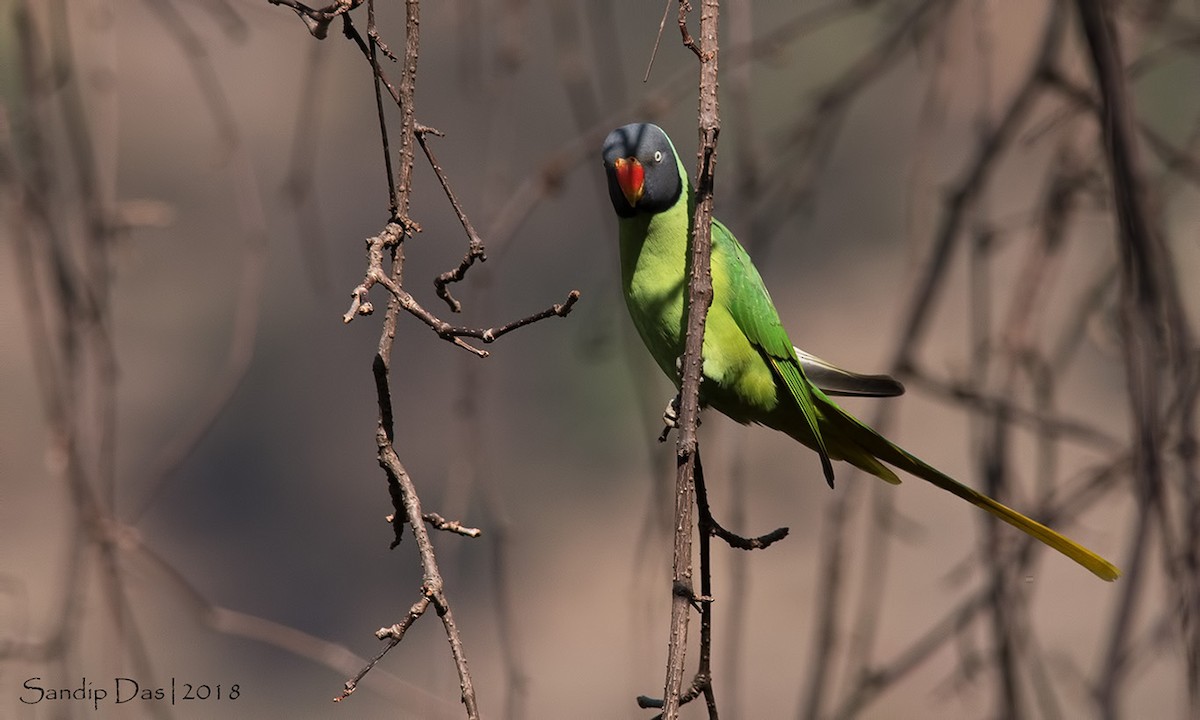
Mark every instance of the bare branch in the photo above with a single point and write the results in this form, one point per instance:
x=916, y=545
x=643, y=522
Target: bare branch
x=699, y=298
x=453, y=526
x=317, y=20
x=475, y=249
x=360, y=305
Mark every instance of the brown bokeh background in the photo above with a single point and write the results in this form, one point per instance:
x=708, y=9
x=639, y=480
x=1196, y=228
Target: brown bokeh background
x=277, y=511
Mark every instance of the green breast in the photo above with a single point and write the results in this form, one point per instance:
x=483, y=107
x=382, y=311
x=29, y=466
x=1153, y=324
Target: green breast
x=653, y=282
x=737, y=379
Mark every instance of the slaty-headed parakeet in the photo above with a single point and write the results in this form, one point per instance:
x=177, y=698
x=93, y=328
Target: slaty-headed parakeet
x=751, y=370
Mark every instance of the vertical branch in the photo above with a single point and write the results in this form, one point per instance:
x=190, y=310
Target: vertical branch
x=404, y=495
x=408, y=122
x=1150, y=313
x=699, y=299
x=707, y=528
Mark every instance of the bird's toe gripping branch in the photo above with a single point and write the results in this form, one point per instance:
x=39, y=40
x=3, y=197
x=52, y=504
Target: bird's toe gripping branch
x=671, y=418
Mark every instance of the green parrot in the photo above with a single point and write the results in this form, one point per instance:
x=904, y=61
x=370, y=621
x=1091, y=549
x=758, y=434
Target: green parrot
x=752, y=372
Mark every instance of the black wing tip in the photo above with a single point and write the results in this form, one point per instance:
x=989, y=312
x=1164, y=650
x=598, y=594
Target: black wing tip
x=885, y=385
x=875, y=386
x=827, y=467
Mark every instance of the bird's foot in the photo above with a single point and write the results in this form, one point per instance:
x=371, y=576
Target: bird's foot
x=671, y=418
x=671, y=413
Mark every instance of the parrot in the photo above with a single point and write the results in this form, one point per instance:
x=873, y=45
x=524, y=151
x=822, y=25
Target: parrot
x=751, y=371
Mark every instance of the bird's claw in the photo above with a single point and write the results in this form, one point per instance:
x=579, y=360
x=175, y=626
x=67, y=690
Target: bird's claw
x=671, y=413
x=671, y=418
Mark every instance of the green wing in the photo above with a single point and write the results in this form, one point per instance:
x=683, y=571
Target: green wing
x=751, y=308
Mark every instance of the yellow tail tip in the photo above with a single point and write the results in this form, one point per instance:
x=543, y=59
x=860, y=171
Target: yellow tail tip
x=1101, y=568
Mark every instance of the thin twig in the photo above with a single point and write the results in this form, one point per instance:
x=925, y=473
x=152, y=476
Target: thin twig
x=377, y=77
x=657, y=39
x=475, y=249
x=685, y=7
x=360, y=305
x=453, y=526
x=317, y=20
x=405, y=501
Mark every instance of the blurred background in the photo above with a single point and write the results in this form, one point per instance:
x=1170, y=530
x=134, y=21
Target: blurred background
x=189, y=490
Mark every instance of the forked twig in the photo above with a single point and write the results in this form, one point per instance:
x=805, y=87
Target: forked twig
x=385, y=262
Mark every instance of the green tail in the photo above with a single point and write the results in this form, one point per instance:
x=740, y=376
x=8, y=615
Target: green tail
x=864, y=448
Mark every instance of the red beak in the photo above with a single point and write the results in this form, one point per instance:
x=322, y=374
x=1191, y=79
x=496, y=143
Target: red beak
x=630, y=177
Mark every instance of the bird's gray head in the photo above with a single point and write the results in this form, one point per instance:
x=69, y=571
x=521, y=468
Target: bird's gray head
x=643, y=174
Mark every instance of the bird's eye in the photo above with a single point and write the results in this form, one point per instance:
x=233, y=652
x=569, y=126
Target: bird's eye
x=658, y=156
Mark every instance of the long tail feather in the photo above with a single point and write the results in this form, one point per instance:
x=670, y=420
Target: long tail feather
x=879, y=447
